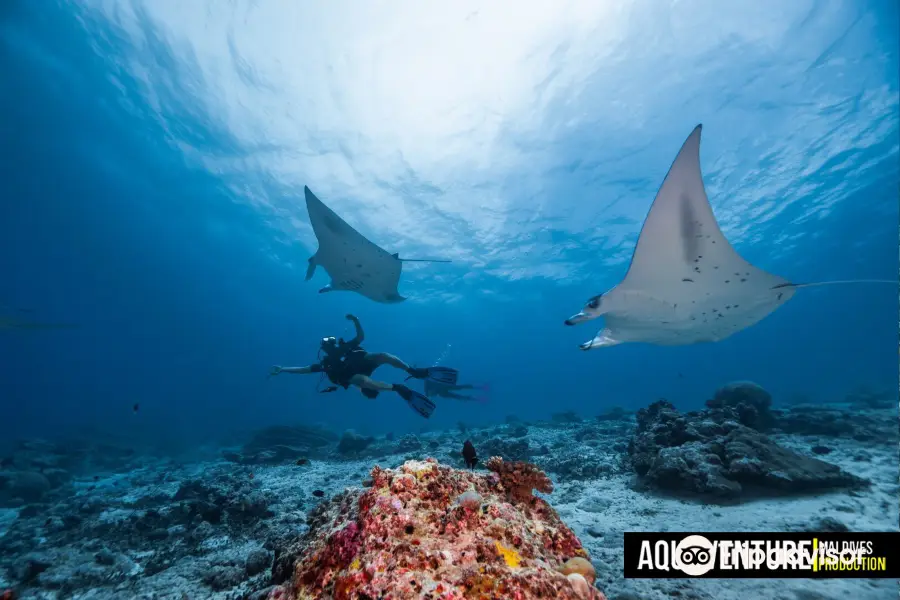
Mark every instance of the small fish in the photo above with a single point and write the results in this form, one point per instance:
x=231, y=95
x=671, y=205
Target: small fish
x=302, y=461
x=469, y=454
x=251, y=475
x=318, y=493
x=136, y=407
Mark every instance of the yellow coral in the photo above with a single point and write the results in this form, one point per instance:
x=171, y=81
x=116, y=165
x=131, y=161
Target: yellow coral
x=420, y=469
x=510, y=556
x=355, y=564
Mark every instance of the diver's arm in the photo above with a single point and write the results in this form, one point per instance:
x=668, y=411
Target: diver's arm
x=298, y=370
x=360, y=334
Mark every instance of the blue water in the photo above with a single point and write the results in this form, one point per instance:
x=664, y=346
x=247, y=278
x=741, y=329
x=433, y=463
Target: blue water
x=154, y=155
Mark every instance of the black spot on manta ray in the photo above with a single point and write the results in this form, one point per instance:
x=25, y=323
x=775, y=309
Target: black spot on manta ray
x=688, y=280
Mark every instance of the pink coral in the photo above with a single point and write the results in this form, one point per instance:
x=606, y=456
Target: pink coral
x=520, y=478
x=361, y=545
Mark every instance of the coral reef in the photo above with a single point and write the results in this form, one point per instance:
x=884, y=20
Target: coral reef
x=868, y=397
x=102, y=537
x=575, y=465
x=519, y=479
x=749, y=402
x=569, y=416
x=407, y=537
x=706, y=453
x=408, y=443
x=97, y=519
x=616, y=413
x=352, y=443
x=509, y=449
x=282, y=443
x=860, y=424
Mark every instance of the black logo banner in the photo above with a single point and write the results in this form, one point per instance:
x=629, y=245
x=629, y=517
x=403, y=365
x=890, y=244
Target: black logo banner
x=679, y=555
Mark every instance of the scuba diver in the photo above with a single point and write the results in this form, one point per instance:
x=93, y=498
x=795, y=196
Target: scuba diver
x=347, y=363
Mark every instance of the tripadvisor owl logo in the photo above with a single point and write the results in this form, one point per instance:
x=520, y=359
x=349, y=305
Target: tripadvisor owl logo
x=694, y=555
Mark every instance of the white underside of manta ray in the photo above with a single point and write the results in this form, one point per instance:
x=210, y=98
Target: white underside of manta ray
x=353, y=262
x=686, y=284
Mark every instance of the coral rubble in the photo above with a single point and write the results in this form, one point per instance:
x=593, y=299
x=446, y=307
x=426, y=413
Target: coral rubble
x=415, y=533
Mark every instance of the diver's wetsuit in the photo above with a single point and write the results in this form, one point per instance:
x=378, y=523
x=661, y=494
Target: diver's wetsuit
x=341, y=367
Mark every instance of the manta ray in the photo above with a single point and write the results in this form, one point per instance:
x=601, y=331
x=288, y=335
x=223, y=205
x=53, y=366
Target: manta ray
x=353, y=262
x=686, y=284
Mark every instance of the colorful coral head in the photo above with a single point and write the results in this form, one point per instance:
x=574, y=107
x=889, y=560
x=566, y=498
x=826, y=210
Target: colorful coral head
x=520, y=478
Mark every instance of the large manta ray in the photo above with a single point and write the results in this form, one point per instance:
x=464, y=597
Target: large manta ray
x=686, y=284
x=353, y=262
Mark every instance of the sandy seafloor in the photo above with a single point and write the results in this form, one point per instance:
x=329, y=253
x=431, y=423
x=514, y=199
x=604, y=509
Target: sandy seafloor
x=89, y=557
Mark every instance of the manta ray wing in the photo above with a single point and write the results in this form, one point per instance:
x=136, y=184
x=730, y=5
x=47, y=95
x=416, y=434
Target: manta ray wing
x=686, y=283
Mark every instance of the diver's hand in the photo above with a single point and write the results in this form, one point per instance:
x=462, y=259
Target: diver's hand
x=352, y=318
x=275, y=371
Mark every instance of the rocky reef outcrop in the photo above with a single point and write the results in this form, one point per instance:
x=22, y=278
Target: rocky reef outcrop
x=747, y=402
x=283, y=443
x=426, y=530
x=711, y=453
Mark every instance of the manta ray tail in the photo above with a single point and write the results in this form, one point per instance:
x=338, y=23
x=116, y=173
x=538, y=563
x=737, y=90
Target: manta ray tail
x=840, y=282
x=430, y=260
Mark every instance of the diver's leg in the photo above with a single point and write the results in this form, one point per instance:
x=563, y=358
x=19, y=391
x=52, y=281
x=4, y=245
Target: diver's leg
x=458, y=396
x=383, y=358
x=367, y=383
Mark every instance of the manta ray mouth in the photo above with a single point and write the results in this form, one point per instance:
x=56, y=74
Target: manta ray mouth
x=581, y=317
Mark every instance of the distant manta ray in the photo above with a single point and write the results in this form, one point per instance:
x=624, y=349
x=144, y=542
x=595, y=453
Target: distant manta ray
x=686, y=284
x=353, y=262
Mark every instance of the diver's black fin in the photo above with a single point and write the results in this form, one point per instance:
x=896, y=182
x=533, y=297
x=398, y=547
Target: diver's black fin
x=443, y=375
x=421, y=404
x=418, y=402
